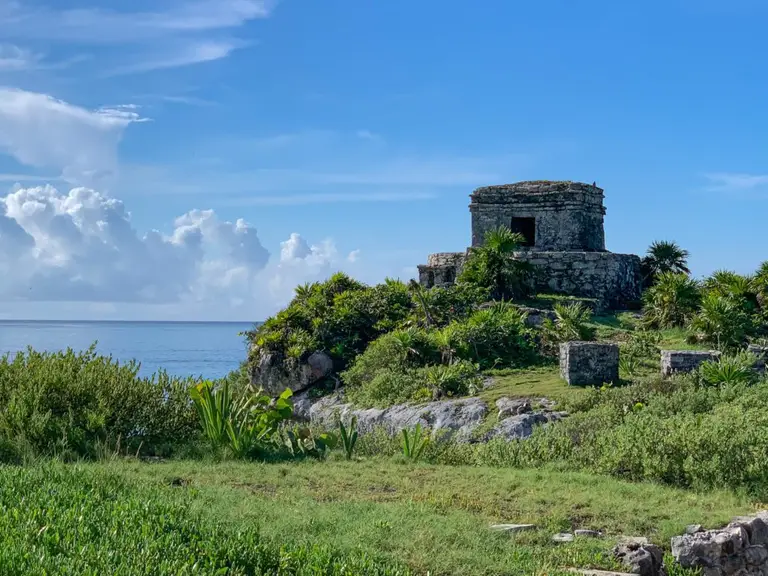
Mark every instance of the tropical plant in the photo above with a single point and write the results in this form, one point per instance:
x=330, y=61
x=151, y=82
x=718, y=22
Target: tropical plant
x=461, y=378
x=244, y=422
x=493, y=266
x=302, y=441
x=761, y=283
x=671, y=301
x=663, y=257
x=643, y=344
x=348, y=436
x=729, y=370
x=414, y=442
x=722, y=321
x=742, y=290
x=214, y=408
x=628, y=364
x=571, y=322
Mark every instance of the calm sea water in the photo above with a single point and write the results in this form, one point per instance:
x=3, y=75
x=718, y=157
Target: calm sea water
x=208, y=349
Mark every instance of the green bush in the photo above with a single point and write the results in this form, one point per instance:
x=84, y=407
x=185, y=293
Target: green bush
x=59, y=520
x=723, y=321
x=78, y=404
x=671, y=301
x=493, y=266
x=571, y=323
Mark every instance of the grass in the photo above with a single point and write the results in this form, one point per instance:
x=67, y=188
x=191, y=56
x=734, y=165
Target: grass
x=538, y=382
x=432, y=518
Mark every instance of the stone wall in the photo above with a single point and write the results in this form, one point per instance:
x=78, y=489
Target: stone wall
x=568, y=215
x=684, y=361
x=613, y=279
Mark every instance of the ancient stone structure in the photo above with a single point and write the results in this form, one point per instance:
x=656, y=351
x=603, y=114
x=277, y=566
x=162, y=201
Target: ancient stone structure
x=562, y=223
x=741, y=548
x=683, y=361
x=589, y=363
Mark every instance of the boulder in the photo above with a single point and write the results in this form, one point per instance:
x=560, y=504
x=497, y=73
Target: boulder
x=447, y=419
x=684, y=361
x=589, y=363
x=640, y=557
x=275, y=373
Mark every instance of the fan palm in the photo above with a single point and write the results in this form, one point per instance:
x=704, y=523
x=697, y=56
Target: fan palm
x=663, y=256
x=494, y=267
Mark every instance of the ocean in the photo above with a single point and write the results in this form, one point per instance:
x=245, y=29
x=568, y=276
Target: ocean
x=207, y=349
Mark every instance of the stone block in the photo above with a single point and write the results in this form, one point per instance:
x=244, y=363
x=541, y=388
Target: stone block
x=589, y=363
x=761, y=353
x=684, y=361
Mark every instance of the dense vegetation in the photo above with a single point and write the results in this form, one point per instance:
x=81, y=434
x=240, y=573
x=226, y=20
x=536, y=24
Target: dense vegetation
x=392, y=343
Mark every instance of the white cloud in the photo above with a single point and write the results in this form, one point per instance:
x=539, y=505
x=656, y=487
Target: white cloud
x=173, y=34
x=736, y=182
x=38, y=130
x=14, y=59
x=185, y=55
x=82, y=247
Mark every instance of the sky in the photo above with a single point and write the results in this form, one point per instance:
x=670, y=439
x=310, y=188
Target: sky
x=197, y=159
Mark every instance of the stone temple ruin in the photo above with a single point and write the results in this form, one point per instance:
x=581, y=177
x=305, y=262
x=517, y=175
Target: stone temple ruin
x=562, y=223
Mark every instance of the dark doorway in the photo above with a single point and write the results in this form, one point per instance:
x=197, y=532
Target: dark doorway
x=526, y=227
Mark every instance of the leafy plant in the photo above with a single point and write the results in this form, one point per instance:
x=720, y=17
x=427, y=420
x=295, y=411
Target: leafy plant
x=458, y=379
x=493, y=266
x=628, y=364
x=730, y=370
x=301, y=441
x=643, y=344
x=671, y=301
x=664, y=257
x=348, y=437
x=722, y=322
x=571, y=323
x=243, y=422
x=413, y=443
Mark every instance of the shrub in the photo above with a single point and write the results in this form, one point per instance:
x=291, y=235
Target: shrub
x=571, y=323
x=77, y=404
x=496, y=337
x=461, y=378
x=722, y=321
x=671, y=301
x=730, y=370
x=742, y=290
x=493, y=266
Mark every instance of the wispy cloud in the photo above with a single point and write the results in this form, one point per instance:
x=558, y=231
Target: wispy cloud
x=186, y=55
x=19, y=178
x=731, y=182
x=173, y=34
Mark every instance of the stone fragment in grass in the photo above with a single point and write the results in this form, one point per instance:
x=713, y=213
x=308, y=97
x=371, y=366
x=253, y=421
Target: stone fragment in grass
x=512, y=528
x=563, y=537
x=588, y=533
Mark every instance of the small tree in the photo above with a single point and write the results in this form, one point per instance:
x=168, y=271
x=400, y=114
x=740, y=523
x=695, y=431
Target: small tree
x=662, y=257
x=494, y=267
x=722, y=321
x=671, y=301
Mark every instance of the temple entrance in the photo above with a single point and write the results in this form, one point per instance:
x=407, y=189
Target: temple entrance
x=527, y=228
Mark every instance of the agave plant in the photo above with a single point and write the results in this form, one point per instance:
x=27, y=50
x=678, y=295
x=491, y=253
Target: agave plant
x=413, y=443
x=348, y=436
x=730, y=370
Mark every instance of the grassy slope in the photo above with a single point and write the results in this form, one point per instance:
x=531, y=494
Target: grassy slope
x=436, y=517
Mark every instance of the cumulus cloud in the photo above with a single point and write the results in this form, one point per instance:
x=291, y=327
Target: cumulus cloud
x=81, y=246
x=40, y=131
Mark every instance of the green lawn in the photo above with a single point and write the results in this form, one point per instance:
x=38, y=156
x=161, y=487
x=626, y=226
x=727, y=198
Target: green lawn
x=434, y=518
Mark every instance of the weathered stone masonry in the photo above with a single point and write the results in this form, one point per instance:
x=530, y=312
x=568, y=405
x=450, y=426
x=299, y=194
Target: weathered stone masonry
x=565, y=240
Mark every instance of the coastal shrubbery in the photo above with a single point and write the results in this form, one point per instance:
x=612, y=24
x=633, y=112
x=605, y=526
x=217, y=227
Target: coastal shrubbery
x=81, y=405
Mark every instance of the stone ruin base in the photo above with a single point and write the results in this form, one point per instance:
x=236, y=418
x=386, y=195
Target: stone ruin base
x=612, y=279
x=741, y=548
x=589, y=363
x=684, y=361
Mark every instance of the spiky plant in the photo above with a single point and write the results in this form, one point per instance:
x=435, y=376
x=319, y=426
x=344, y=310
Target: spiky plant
x=662, y=257
x=671, y=301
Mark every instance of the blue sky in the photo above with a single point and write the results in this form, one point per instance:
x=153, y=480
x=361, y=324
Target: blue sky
x=348, y=135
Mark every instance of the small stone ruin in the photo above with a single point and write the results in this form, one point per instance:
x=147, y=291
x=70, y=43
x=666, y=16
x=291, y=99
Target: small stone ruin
x=589, y=363
x=684, y=361
x=562, y=224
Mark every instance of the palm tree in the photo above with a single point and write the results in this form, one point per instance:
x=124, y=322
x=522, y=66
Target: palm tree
x=494, y=267
x=422, y=297
x=671, y=301
x=663, y=256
